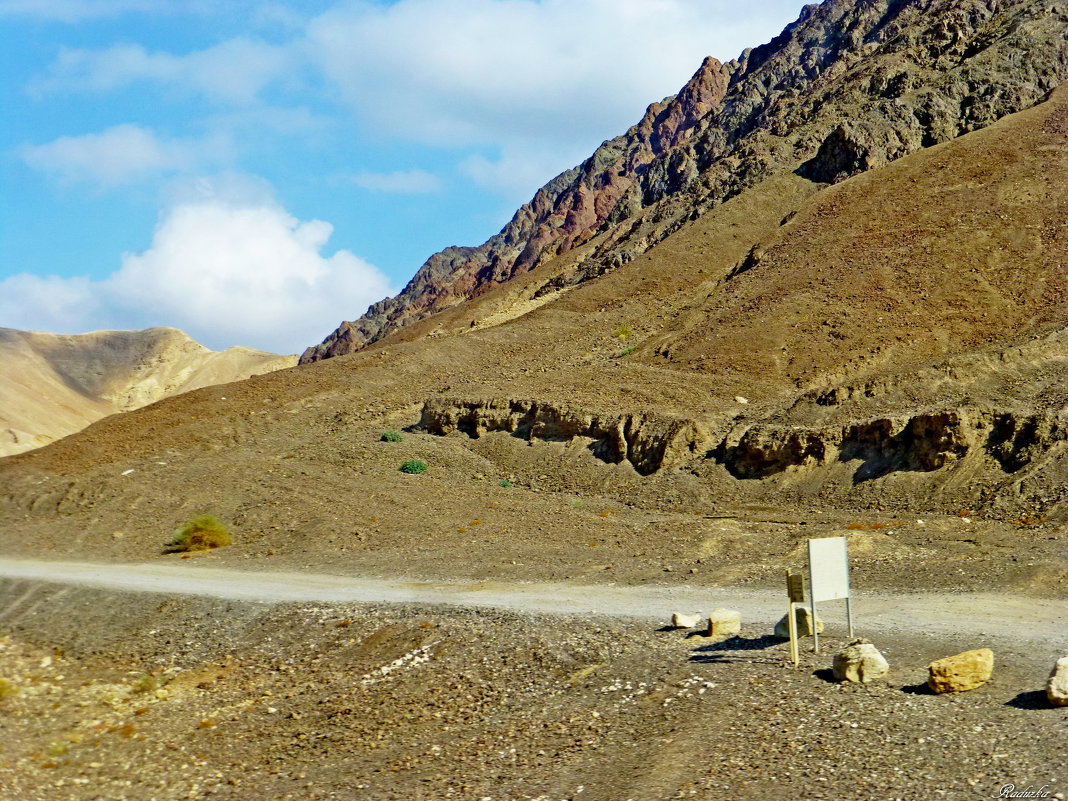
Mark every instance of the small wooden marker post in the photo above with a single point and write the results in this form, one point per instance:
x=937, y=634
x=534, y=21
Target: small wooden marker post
x=795, y=588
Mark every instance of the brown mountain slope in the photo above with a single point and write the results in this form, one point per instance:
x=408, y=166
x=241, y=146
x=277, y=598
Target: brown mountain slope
x=52, y=385
x=849, y=86
x=691, y=408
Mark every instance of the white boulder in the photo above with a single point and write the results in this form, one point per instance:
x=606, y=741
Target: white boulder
x=860, y=662
x=1057, y=686
x=803, y=615
x=724, y=623
x=681, y=621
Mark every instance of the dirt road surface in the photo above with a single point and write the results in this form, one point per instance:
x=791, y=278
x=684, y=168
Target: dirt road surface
x=1003, y=616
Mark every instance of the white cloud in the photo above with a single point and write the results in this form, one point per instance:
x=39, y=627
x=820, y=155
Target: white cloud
x=460, y=72
x=233, y=71
x=520, y=171
x=227, y=272
x=48, y=303
x=525, y=79
x=542, y=83
x=120, y=155
x=403, y=182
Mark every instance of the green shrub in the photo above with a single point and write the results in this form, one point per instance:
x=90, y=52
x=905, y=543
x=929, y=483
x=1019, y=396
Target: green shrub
x=624, y=332
x=200, y=534
x=146, y=683
x=413, y=466
x=506, y=483
x=627, y=351
x=392, y=436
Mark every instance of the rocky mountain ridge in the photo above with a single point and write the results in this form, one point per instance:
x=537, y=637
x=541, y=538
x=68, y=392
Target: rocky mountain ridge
x=847, y=87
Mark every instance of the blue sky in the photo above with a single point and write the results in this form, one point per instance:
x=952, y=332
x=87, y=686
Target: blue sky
x=254, y=172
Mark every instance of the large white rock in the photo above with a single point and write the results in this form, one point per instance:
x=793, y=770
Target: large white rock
x=803, y=615
x=681, y=621
x=860, y=662
x=1057, y=686
x=724, y=622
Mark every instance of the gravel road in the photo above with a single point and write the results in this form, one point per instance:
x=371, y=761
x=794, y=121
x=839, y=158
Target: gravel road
x=1012, y=617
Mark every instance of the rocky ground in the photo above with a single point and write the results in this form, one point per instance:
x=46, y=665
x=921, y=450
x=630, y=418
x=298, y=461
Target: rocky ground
x=151, y=698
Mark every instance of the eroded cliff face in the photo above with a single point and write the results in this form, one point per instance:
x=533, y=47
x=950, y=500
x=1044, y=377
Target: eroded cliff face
x=1020, y=450
x=647, y=441
x=851, y=85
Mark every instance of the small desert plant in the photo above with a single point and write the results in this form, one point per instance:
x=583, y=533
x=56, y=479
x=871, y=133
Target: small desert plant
x=146, y=683
x=624, y=332
x=392, y=436
x=200, y=534
x=627, y=351
x=505, y=483
x=413, y=466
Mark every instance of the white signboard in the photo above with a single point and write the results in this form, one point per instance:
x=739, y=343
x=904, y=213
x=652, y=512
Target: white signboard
x=828, y=577
x=828, y=564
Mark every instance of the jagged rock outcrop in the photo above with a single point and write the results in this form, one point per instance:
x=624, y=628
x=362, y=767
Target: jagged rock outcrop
x=648, y=442
x=851, y=85
x=922, y=443
x=1003, y=443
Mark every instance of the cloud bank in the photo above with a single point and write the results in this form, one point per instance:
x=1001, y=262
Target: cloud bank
x=121, y=154
x=402, y=182
x=225, y=271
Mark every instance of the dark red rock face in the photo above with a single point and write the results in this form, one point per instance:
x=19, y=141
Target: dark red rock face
x=563, y=214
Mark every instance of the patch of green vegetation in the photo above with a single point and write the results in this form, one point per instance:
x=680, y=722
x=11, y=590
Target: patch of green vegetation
x=413, y=466
x=199, y=534
x=505, y=483
x=627, y=351
x=392, y=436
x=624, y=332
x=146, y=683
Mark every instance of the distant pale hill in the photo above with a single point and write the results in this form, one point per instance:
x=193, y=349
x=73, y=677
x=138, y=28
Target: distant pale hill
x=52, y=385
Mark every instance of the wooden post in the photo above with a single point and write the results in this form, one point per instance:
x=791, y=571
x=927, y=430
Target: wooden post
x=795, y=588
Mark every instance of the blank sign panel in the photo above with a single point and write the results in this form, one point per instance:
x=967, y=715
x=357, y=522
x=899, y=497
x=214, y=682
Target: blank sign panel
x=829, y=568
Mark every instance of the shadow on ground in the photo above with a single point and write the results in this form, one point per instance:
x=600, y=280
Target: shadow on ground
x=727, y=650
x=1032, y=699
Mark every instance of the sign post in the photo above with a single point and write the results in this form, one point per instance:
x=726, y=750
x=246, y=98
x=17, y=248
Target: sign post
x=828, y=577
x=795, y=588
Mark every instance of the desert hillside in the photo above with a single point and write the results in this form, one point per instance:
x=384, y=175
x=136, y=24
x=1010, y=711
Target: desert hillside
x=798, y=360
x=52, y=385
x=820, y=292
